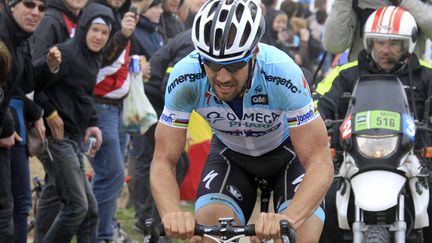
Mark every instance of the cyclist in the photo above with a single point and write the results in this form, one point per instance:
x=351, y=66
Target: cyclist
x=258, y=104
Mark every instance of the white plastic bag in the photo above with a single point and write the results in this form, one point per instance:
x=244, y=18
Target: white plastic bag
x=138, y=113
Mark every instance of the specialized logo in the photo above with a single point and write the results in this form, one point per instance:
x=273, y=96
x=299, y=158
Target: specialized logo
x=297, y=181
x=209, y=177
x=281, y=81
x=235, y=192
x=259, y=100
x=192, y=77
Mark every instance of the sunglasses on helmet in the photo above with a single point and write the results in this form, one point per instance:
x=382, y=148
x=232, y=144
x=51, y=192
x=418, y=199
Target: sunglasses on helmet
x=232, y=66
x=31, y=5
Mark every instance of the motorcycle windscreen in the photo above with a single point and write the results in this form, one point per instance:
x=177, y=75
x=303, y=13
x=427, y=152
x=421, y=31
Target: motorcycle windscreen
x=377, y=190
x=379, y=92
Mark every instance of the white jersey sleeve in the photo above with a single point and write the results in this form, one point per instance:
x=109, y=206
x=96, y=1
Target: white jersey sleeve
x=181, y=92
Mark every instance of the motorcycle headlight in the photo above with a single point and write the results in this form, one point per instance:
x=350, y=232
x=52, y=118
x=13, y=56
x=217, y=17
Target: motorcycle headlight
x=377, y=146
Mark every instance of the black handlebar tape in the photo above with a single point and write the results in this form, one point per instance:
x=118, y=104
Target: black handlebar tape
x=247, y=230
x=250, y=230
x=287, y=229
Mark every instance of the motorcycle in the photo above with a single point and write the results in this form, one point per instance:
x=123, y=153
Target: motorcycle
x=383, y=192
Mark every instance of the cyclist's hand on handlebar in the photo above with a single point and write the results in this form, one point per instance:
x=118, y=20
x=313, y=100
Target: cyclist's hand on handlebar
x=180, y=225
x=267, y=227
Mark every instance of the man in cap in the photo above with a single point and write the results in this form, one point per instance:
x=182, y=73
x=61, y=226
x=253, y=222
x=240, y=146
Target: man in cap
x=18, y=20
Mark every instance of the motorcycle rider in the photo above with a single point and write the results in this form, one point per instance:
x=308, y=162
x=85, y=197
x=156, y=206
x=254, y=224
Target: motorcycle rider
x=390, y=36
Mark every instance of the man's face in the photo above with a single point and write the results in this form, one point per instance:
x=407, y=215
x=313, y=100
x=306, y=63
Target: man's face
x=28, y=14
x=75, y=5
x=227, y=85
x=170, y=6
x=97, y=37
x=141, y=5
x=386, y=52
x=116, y=4
x=154, y=13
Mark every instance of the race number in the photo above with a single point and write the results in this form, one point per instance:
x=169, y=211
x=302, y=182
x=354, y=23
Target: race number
x=377, y=119
x=345, y=128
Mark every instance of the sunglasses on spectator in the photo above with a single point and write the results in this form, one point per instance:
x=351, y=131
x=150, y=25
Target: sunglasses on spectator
x=232, y=66
x=31, y=5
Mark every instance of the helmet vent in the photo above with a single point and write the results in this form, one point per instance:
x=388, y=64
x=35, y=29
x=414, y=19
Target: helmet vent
x=246, y=34
x=253, y=9
x=239, y=12
x=207, y=33
x=218, y=40
x=213, y=8
x=223, y=15
x=198, y=21
x=231, y=37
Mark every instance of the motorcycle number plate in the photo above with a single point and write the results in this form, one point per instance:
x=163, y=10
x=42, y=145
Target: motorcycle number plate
x=377, y=119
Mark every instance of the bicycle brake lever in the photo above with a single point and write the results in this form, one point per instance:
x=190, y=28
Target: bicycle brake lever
x=151, y=232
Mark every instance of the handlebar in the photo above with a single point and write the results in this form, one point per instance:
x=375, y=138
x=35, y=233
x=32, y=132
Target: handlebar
x=225, y=230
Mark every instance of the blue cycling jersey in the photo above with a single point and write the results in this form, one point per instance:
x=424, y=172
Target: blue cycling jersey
x=278, y=99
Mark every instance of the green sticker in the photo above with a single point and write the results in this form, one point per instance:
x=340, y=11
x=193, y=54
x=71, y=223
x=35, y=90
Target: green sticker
x=377, y=119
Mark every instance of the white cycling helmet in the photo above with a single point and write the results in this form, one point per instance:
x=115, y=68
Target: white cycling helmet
x=393, y=23
x=227, y=30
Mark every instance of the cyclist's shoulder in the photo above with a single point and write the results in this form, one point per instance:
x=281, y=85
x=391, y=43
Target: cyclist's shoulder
x=190, y=61
x=278, y=71
x=186, y=73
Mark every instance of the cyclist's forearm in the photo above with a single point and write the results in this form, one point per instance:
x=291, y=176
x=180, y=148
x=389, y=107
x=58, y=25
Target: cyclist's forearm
x=164, y=187
x=311, y=192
